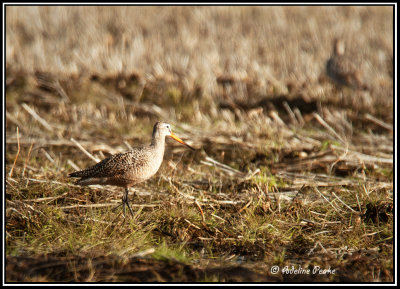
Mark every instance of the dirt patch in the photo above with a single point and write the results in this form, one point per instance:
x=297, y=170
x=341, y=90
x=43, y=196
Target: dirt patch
x=116, y=269
x=355, y=267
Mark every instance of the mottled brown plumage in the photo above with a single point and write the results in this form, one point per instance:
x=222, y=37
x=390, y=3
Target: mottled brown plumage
x=342, y=70
x=129, y=168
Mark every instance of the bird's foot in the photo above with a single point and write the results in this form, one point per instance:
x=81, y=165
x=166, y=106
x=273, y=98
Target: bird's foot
x=125, y=202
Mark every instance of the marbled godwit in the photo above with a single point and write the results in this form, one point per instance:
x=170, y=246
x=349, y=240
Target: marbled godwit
x=129, y=168
x=342, y=70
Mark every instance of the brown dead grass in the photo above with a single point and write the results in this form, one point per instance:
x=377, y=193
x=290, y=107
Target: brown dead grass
x=290, y=170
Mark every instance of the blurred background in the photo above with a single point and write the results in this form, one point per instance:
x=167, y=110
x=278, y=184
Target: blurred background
x=247, y=87
x=195, y=62
x=200, y=47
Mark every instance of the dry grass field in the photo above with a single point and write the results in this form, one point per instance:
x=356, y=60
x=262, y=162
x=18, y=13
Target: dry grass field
x=290, y=169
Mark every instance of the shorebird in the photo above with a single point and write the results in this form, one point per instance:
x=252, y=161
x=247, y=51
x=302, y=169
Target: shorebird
x=130, y=168
x=342, y=70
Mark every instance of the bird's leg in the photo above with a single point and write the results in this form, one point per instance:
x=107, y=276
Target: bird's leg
x=126, y=201
x=121, y=204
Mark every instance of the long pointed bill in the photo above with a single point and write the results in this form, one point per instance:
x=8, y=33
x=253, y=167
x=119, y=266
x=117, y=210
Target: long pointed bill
x=179, y=140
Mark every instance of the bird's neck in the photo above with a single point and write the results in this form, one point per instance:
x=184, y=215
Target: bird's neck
x=158, y=142
x=339, y=48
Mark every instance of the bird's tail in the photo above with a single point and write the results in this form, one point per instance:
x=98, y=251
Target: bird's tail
x=76, y=174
